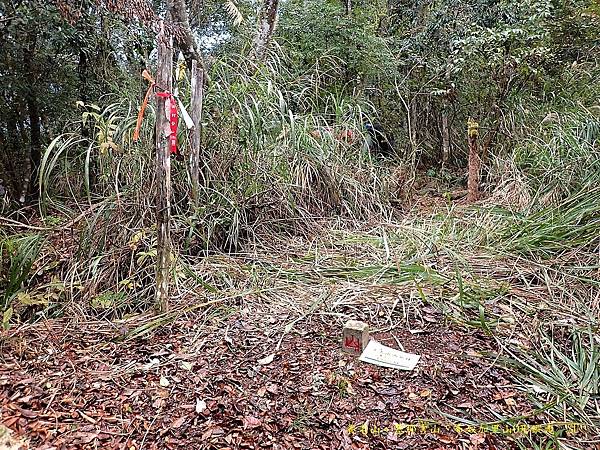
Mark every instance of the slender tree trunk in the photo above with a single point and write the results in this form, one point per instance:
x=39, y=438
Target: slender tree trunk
x=82, y=67
x=446, y=107
x=474, y=161
x=15, y=154
x=87, y=129
x=412, y=132
x=489, y=141
x=36, y=144
x=348, y=7
x=4, y=162
x=266, y=27
x=445, y=138
x=35, y=153
x=413, y=121
x=178, y=14
x=196, y=114
x=27, y=172
x=163, y=175
x=26, y=167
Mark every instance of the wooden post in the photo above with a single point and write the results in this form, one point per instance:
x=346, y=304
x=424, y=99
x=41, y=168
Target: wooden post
x=163, y=174
x=474, y=161
x=196, y=114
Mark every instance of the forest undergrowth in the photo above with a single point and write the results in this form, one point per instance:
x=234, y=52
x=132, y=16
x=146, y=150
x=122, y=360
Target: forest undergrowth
x=302, y=228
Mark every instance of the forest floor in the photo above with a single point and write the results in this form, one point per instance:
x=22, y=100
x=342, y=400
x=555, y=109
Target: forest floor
x=190, y=386
x=258, y=364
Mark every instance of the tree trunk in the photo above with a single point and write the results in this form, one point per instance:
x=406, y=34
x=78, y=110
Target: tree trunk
x=185, y=39
x=266, y=27
x=26, y=167
x=489, y=141
x=163, y=175
x=82, y=69
x=36, y=144
x=348, y=7
x=35, y=153
x=413, y=123
x=445, y=138
x=413, y=135
x=474, y=162
x=13, y=155
x=196, y=114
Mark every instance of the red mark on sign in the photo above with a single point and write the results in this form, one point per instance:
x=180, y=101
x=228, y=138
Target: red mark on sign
x=352, y=342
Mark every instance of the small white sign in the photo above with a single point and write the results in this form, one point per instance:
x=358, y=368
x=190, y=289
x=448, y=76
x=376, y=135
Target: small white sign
x=380, y=355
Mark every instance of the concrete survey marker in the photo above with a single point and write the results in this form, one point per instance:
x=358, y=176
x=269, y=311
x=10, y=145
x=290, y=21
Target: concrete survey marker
x=355, y=337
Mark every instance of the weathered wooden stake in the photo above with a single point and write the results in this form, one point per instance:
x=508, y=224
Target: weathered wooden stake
x=196, y=114
x=163, y=174
x=474, y=161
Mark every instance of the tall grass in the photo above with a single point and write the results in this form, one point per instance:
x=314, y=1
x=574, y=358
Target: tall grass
x=263, y=167
x=563, y=156
x=562, y=373
x=573, y=224
x=18, y=254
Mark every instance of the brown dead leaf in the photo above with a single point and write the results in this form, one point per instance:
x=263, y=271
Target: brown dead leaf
x=84, y=438
x=88, y=418
x=207, y=434
x=177, y=423
x=251, y=422
x=445, y=438
x=504, y=394
x=10, y=422
x=27, y=413
x=465, y=405
x=429, y=310
x=477, y=439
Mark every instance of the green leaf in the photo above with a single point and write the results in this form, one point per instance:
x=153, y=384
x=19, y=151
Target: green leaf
x=6, y=318
x=27, y=299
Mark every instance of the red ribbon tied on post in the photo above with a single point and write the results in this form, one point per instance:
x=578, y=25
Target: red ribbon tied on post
x=173, y=121
x=173, y=115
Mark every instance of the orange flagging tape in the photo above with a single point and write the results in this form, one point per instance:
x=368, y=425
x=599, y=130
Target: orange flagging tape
x=140, y=117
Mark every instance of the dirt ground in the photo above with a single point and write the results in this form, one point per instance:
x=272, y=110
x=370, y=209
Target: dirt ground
x=225, y=385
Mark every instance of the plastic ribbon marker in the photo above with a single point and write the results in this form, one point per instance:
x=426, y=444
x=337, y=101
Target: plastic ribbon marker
x=173, y=121
x=140, y=117
x=189, y=123
x=173, y=114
